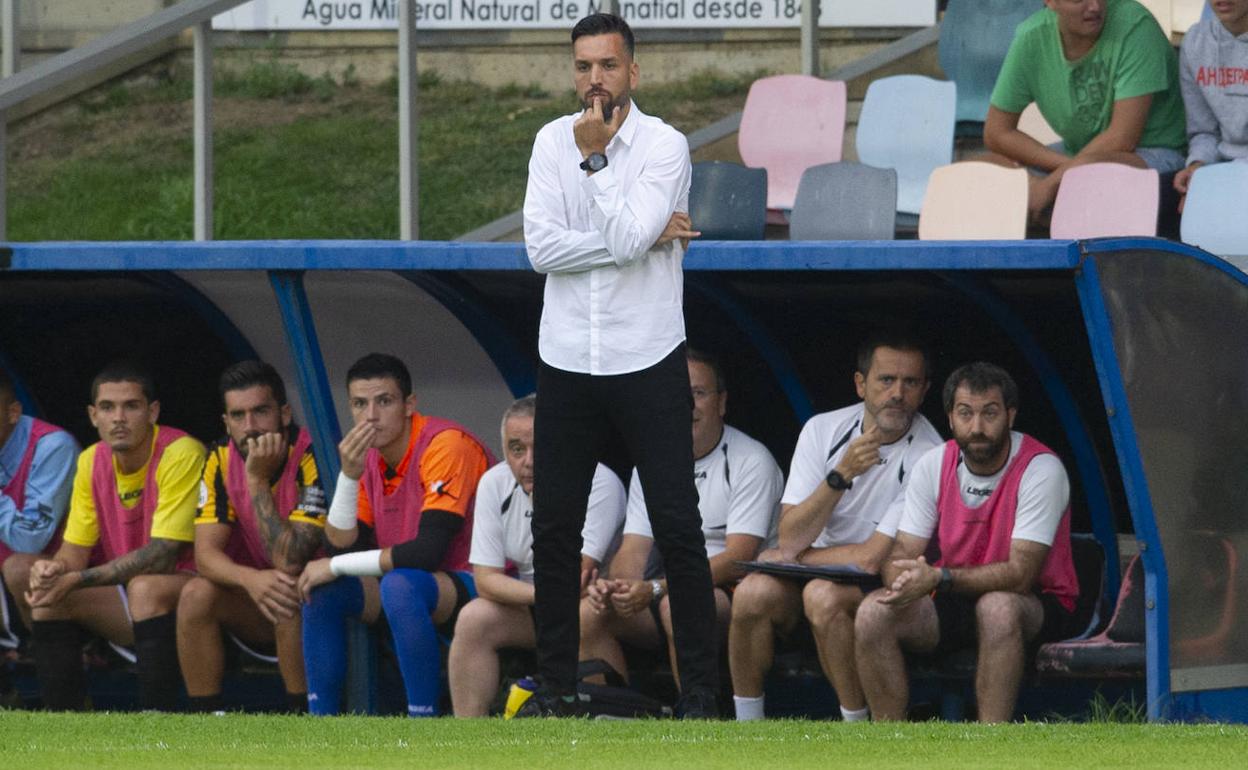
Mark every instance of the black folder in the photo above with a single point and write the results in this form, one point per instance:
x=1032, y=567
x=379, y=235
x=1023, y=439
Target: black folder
x=839, y=573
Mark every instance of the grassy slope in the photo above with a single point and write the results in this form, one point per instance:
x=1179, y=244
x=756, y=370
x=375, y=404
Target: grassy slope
x=34, y=740
x=295, y=158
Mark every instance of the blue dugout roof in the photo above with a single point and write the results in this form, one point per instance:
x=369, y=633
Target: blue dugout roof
x=1129, y=352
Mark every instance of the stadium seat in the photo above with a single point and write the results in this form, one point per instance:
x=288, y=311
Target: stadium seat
x=974, y=37
x=844, y=202
x=1119, y=650
x=1032, y=123
x=789, y=123
x=1162, y=12
x=973, y=200
x=728, y=202
x=1185, y=13
x=1104, y=199
x=907, y=124
x=1213, y=216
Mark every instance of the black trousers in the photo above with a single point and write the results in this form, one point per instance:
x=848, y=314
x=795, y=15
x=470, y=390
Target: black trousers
x=579, y=417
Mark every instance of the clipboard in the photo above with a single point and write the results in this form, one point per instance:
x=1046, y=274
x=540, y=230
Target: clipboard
x=838, y=573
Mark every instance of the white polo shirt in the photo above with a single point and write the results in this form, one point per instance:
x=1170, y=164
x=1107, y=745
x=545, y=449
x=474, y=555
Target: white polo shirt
x=739, y=485
x=878, y=496
x=503, y=514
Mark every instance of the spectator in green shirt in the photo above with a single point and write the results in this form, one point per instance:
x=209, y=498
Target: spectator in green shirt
x=1105, y=77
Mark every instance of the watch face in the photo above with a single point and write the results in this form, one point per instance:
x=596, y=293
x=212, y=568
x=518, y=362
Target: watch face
x=597, y=162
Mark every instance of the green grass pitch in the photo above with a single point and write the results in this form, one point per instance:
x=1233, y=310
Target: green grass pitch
x=29, y=741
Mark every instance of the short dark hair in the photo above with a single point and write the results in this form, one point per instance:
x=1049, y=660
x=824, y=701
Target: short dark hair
x=376, y=366
x=981, y=377
x=711, y=362
x=605, y=24
x=249, y=374
x=124, y=371
x=8, y=391
x=897, y=339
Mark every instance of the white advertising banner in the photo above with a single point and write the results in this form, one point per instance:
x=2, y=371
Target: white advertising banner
x=561, y=14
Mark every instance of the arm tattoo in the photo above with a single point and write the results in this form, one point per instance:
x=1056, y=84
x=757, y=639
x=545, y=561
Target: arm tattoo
x=158, y=557
x=271, y=525
x=289, y=543
x=297, y=545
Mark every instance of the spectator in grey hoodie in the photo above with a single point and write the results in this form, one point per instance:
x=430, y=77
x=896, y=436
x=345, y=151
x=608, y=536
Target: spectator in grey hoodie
x=1213, y=74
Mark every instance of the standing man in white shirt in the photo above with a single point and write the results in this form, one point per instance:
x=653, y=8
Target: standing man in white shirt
x=502, y=561
x=739, y=486
x=604, y=219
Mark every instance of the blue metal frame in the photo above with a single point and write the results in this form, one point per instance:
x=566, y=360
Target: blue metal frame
x=305, y=352
x=285, y=262
x=1068, y=413
x=1107, y=245
x=779, y=361
x=431, y=255
x=487, y=329
x=1135, y=484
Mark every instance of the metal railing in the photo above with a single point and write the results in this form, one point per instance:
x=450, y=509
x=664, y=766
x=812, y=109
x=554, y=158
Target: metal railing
x=19, y=86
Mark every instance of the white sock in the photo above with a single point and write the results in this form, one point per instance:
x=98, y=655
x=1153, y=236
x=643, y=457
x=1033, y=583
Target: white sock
x=855, y=715
x=748, y=709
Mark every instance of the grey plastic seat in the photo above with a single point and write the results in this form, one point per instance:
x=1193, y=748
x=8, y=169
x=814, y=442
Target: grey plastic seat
x=728, y=202
x=974, y=37
x=844, y=202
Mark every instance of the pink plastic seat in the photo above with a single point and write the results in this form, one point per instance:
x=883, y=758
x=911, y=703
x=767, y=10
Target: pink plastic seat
x=973, y=200
x=1106, y=199
x=790, y=123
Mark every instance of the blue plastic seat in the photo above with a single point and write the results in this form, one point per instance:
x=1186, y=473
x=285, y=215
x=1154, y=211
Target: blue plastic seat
x=1213, y=216
x=974, y=37
x=728, y=202
x=907, y=124
x=844, y=202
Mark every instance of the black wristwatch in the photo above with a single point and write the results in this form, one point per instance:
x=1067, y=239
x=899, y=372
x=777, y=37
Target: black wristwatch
x=946, y=581
x=839, y=482
x=595, y=162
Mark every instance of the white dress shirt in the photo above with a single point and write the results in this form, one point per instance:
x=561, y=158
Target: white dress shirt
x=613, y=304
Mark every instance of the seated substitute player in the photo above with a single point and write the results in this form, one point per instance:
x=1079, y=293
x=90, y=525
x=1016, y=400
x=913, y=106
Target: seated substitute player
x=36, y=475
x=126, y=552
x=261, y=517
x=500, y=617
x=405, y=493
x=739, y=486
x=849, y=471
x=997, y=501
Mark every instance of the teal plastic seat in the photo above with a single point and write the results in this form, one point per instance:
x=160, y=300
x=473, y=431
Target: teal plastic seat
x=974, y=38
x=728, y=202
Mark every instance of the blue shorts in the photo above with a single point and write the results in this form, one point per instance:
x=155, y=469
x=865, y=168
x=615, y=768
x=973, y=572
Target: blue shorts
x=1163, y=159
